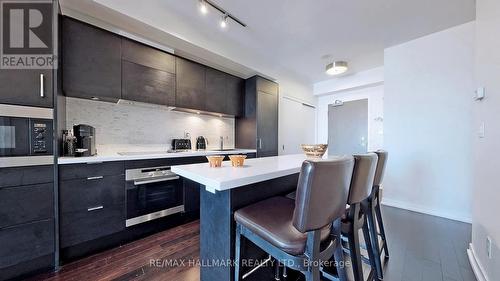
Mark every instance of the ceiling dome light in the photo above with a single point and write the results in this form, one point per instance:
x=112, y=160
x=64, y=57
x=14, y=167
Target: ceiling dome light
x=203, y=7
x=223, y=21
x=336, y=68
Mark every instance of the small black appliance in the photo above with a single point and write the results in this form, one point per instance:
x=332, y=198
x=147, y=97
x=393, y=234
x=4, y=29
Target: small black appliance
x=181, y=144
x=85, y=140
x=201, y=143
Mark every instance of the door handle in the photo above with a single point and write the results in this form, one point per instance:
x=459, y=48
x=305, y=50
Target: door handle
x=260, y=143
x=95, y=208
x=141, y=182
x=95, y=178
x=42, y=86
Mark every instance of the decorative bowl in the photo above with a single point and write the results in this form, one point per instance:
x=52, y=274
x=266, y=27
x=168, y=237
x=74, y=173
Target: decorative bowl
x=215, y=160
x=237, y=160
x=314, y=150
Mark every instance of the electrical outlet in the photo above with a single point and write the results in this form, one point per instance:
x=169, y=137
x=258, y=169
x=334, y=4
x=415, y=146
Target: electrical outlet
x=488, y=247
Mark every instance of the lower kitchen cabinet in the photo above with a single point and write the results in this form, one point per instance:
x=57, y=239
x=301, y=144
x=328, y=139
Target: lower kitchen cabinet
x=21, y=204
x=27, y=235
x=22, y=243
x=91, y=200
x=95, y=222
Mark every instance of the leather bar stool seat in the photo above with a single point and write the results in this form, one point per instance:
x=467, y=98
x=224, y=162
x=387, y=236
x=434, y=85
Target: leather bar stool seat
x=272, y=219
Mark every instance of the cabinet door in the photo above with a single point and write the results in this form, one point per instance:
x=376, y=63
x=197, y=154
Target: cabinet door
x=22, y=204
x=25, y=242
x=91, y=61
x=267, y=124
x=234, y=95
x=26, y=87
x=190, y=83
x=145, y=84
x=147, y=56
x=215, y=91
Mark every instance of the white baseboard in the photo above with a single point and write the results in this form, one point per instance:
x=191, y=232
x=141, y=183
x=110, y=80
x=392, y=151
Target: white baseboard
x=424, y=210
x=476, y=266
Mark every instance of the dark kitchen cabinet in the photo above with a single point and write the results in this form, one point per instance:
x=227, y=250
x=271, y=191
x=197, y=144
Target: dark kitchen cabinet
x=92, y=201
x=267, y=124
x=149, y=85
x=147, y=56
x=216, y=93
x=148, y=74
x=26, y=220
x=91, y=61
x=190, y=84
x=224, y=93
x=26, y=87
x=258, y=128
x=235, y=95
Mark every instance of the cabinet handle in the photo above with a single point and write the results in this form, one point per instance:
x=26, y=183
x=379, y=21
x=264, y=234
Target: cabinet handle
x=95, y=208
x=260, y=143
x=95, y=178
x=42, y=85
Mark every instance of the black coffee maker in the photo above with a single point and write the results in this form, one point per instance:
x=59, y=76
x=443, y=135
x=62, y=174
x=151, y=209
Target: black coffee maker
x=201, y=143
x=85, y=140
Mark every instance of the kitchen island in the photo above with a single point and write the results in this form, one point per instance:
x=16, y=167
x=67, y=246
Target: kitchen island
x=227, y=189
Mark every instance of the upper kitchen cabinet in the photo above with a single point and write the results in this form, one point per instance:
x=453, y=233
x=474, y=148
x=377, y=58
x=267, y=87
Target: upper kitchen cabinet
x=216, y=94
x=91, y=61
x=224, y=93
x=26, y=87
x=190, y=84
x=235, y=95
x=258, y=127
x=148, y=74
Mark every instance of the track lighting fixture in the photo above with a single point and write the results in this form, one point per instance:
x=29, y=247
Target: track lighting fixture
x=205, y=4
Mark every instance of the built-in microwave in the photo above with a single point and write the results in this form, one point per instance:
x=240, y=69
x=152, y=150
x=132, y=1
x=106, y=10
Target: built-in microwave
x=26, y=136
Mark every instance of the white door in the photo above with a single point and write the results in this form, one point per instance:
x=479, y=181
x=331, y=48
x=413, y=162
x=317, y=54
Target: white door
x=297, y=126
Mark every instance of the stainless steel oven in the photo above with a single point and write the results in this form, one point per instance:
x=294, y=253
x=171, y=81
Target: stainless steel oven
x=152, y=193
x=26, y=136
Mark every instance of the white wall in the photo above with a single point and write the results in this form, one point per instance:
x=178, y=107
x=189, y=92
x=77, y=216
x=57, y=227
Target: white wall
x=427, y=123
x=375, y=96
x=486, y=192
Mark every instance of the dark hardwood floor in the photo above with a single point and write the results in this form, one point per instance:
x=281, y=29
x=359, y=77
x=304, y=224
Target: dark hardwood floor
x=422, y=248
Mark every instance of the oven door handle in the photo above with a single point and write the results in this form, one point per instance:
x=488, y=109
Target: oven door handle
x=140, y=182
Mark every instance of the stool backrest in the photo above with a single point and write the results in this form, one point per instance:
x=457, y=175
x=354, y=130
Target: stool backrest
x=379, y=172
x=322, y=191
x=362, y=177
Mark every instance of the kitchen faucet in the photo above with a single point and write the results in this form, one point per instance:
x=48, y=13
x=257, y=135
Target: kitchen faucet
x=221, y=143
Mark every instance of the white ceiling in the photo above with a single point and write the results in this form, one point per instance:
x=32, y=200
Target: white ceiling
x=293, y=37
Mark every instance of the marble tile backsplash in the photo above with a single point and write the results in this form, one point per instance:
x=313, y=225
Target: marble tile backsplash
x=146, y=124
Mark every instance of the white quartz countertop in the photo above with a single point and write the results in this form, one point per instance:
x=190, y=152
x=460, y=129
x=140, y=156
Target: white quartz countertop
x=107, y=156
x=254, y=170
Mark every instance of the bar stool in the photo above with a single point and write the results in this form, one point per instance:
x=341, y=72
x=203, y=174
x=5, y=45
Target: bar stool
x=355, y=218
x=300, y=234
x=374, y=214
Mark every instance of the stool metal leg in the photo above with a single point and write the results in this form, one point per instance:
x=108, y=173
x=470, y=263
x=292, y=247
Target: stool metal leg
x=277, y=270
x=374, y=240
x=369, y=248
x=357, y=267
x=237, y=251
x=380, y=223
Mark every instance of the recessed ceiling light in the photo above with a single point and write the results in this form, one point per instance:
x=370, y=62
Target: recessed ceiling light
x=336, y=68
x=203, y=7
x=223, y=21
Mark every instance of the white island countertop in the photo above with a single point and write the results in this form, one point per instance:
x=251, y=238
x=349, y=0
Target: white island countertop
x=254, y=170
